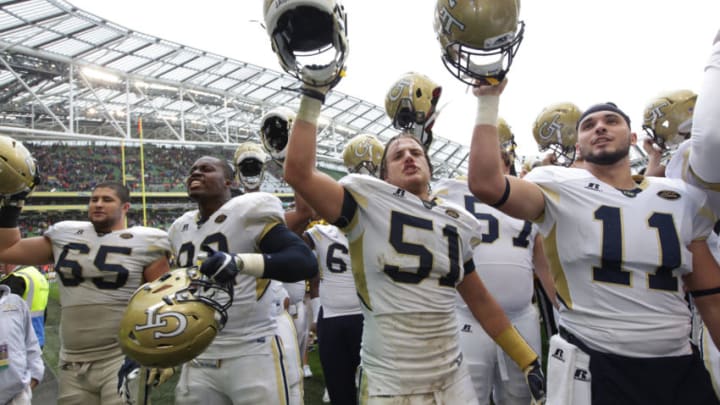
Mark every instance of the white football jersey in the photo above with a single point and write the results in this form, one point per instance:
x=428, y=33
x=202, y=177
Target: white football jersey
x=98, y=275
x=237, y=227
x=408, y=256
x=296, y=291
x=504, y=258
x=617, y=256
x=679, y=168
x=337, y=287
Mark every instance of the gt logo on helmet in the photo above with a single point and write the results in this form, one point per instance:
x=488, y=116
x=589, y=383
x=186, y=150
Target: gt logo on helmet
x=548, y=129
x=448, y=21
x=158, y=321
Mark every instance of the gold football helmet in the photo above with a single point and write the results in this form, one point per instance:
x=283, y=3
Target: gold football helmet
x=250, y=161
x=410, y=103
x=668, y=118
x=478, y=38
x=275, y=128
x=171, y=320
x=363, y=154
x=17, y=167
x=309, y=38
x=555, y=129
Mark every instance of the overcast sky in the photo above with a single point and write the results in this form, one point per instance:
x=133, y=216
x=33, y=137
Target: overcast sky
x=578, y=51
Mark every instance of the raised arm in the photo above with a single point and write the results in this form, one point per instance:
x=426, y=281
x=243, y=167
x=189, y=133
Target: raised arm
x=513, y=196
x=320, y=191
x=706, y=122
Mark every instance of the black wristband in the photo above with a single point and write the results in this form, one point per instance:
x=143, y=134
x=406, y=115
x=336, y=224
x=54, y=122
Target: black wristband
x=505, y=195
x=312, y=93
x=702, y=293
x=9, y=215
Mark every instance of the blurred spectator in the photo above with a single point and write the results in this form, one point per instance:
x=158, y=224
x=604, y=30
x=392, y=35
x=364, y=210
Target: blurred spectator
x=21, y=364
x=29, y=283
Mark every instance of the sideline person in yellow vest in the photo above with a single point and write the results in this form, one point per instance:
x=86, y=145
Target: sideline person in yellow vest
x=32, y=285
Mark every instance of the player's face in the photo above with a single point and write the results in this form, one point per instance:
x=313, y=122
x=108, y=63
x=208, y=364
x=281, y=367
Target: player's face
x=407, y=166
x=106, y=211
x=604, y=138
x=207, y=179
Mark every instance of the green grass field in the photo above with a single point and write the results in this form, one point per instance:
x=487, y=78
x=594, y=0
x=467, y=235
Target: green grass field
x=163, y=395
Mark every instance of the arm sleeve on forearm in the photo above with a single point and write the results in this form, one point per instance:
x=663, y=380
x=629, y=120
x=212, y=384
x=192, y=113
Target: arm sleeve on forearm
x=287, y=257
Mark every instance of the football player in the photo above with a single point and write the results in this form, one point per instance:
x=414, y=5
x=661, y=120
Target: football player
x=250, y=162
x=247, y=243
x=100, y=263
x=339, y=323
x=409, y=253
x=509, y=252
x=621, y=298
x=694, y=162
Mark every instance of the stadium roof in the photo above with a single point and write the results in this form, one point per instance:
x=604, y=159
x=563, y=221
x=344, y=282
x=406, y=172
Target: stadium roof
x=68, y=74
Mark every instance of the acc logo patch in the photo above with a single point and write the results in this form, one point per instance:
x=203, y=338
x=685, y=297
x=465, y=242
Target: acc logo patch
x=220, y=219
x=126, y=235
x=452, y=213
x=668, y=194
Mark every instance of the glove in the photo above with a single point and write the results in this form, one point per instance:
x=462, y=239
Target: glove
x=536, y=382
x=127, y=386
x=159, y=376
x=220, y=266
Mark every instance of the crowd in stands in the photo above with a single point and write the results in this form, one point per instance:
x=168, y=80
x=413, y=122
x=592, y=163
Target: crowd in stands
x=78, y=167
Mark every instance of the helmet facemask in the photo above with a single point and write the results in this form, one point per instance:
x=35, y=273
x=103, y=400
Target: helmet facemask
x=251, y=172
x=309, y=37
x=555, y=129
x=173, y=319
x=487, y=66
x=411, y=104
